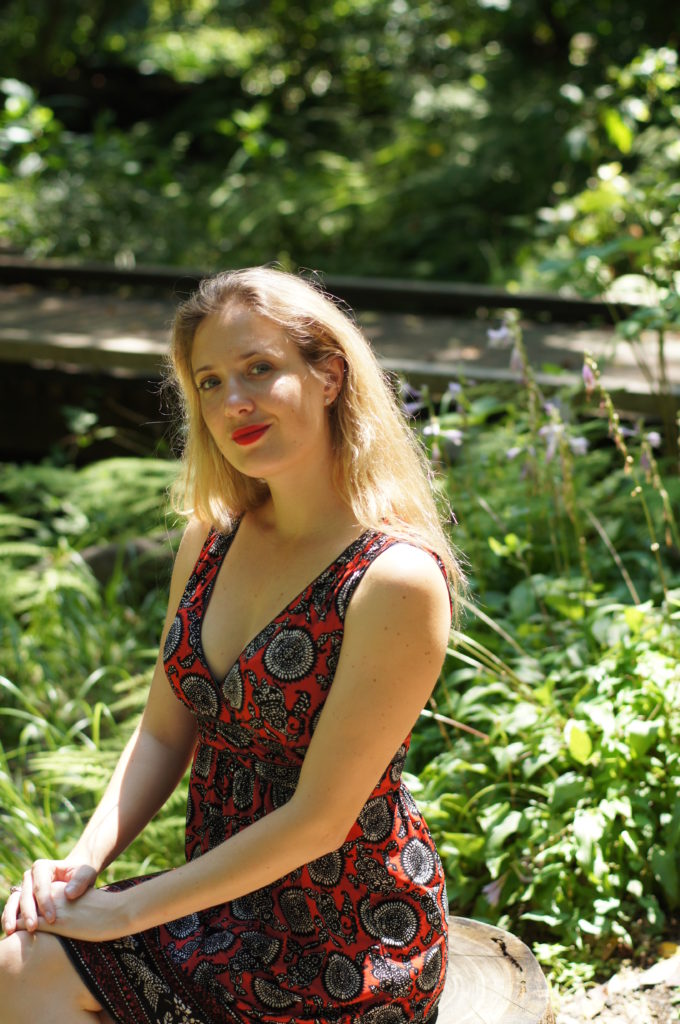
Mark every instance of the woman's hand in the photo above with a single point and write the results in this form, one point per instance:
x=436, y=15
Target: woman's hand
x=97, y=916
x=35, y=899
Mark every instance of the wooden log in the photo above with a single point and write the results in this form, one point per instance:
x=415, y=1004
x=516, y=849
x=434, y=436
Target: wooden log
x=492, y=978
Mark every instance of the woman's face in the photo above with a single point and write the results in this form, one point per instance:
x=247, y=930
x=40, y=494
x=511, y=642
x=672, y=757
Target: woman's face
x=266, y=411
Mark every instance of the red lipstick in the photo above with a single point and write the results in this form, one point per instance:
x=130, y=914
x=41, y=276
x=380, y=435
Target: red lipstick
x=250, y=434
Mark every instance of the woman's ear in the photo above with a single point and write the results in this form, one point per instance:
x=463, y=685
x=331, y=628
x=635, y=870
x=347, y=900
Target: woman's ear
x=334, y=374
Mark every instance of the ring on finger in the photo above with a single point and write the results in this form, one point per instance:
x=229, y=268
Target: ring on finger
x=14, y=888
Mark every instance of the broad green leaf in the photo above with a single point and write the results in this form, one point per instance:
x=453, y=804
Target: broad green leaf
x=642, y=735
x=578, y=741
x=588, y=830
x=664, y=864
x=465, y=843
x=508, y=826
x=497, y=548
x=567, y=790
x=618, y=131
x=590, y=927
x=629, y=841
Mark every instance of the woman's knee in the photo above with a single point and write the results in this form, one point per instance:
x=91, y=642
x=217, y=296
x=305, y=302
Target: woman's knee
x=15, y=953
x=33, y=965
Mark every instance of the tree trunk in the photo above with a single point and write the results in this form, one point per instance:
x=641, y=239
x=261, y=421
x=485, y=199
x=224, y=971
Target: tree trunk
x=492, y=978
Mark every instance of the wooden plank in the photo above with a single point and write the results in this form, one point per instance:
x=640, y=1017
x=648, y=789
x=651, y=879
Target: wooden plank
x=107, y=331
x=396, y=294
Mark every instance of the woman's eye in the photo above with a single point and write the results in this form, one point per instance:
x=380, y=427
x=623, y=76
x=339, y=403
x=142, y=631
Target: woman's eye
x=207, y=384
x=257, y=369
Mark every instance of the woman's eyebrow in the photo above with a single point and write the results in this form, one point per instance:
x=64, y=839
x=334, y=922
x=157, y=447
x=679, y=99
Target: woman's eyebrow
x=241, y=357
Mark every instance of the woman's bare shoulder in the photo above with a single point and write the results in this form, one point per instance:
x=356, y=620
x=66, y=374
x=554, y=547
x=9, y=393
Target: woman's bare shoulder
x=193, y=539
x=409, y=575
x=407, y=565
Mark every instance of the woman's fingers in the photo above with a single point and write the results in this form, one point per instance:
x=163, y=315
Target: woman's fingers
x=27, y=906
x=80, y=880
x=9, y=914
x=36, y=897
x=36, y=893
x=43, y=874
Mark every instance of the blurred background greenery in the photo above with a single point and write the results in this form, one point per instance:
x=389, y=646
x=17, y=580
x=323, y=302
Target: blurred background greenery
x=498, y=141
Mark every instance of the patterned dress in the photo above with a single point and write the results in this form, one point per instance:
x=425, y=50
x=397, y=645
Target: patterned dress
x=358, y=935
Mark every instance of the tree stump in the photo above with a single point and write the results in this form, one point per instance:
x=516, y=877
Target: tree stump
x=493, y=978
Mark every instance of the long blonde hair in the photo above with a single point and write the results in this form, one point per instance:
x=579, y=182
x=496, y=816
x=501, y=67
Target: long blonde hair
x=380, y=468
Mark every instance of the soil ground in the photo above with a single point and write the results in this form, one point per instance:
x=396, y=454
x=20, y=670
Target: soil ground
x=633, y=996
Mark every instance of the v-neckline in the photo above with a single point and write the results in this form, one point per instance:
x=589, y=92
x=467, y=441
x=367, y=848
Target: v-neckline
x=294, y=600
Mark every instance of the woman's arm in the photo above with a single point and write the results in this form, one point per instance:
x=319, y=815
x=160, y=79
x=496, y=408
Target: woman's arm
x=147, y=772
x=395, y=639
x=159, y=750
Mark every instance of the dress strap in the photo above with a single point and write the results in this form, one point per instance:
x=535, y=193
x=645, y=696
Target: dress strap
x=353, y=571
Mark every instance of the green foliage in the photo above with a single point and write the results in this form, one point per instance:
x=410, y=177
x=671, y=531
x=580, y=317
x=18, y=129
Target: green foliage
x=564, y=826
x=625, y=221
x=108, y=500
x=76, y=656
x=63, y=636
x=561, y=825
x=406, y=139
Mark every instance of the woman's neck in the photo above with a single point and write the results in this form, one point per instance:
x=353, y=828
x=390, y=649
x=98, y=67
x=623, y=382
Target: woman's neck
x=297, y=513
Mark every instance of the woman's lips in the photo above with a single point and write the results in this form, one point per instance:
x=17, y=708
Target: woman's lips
x=248, y=435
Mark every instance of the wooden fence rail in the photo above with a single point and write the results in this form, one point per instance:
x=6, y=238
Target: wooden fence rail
x=395, y=295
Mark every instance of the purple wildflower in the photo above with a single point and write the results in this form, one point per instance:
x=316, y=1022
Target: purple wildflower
x=512, y=453
x=411, y=399
x=653, y=438
x=500, y=337
x=493, y=890
x=554, y=407
x=454, y=387
x=578, y=445
x=551, y=433
x=589, y=379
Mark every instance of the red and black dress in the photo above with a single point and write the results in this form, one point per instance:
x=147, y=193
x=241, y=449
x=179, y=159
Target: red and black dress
x=358, y=935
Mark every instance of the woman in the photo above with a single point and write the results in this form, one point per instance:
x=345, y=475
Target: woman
x=312, y=889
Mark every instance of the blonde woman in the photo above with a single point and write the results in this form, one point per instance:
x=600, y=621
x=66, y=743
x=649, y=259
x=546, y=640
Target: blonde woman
x=308, y=620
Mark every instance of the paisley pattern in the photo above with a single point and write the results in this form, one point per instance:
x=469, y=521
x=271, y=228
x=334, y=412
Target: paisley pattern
x=358, y=935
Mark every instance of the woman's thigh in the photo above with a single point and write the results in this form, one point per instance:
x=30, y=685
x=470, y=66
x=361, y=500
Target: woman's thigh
x=40, y=985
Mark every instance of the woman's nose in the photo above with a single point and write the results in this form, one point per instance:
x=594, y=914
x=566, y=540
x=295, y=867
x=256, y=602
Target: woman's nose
x=237, y=398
